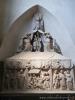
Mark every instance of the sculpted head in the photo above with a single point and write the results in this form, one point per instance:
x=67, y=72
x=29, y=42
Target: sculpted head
x=56, y=71
x=62, y=71
x=68, y=71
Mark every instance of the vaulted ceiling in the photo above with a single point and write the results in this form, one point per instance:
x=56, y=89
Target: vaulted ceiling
x=59, y=17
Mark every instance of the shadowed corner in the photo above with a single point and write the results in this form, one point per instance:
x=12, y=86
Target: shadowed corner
x=1, y=73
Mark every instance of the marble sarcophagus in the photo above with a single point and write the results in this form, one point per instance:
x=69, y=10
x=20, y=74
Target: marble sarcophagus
x=38, y=65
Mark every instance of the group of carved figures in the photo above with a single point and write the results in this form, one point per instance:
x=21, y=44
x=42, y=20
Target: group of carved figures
x=63, y=80
x=44, y=79
x=37, y=42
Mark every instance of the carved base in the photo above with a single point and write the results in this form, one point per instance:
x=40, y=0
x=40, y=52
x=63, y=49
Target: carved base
x=38, y=71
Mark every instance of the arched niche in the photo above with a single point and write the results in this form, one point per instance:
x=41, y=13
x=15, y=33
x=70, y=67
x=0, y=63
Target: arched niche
x=24, y=24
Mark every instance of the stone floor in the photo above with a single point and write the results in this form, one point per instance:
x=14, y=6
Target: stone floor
x=38, y=91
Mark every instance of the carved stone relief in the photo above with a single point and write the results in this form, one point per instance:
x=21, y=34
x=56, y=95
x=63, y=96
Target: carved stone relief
x=46, y=73
x=38, y=40
x=20, y=77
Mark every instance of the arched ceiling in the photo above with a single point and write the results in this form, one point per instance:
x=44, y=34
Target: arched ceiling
x=54, y=23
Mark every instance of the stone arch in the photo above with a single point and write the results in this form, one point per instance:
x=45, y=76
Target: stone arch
x=52, y=25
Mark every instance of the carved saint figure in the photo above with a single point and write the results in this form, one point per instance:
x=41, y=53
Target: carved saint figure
x=46, y=80
x=39, y=22
x=69, y=80
x=26, y=44
x=37, y=42
x=56, y=79
x=20, y=79
x=47, y=43
x=62, y=78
